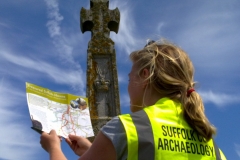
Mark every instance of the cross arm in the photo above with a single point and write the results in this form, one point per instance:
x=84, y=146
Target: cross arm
x=114, y=22
x=86, y=23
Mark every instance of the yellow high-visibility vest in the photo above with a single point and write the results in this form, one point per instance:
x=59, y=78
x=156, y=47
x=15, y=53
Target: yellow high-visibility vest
x=160, y=132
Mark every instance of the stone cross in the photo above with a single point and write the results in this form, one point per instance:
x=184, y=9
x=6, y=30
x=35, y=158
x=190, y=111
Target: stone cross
x=102, y=79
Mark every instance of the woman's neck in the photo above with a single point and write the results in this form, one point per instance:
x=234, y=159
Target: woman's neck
x=151, y=96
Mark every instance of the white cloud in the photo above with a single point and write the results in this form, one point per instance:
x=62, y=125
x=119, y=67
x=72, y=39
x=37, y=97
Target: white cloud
x=123, y=77
x=75, y=78
x=4, y=25
x=126, y=39
x=209, y=30
x=55, y=18
x=159, y=27
x=237, y=149
x=125, y=101
x=53, y=28
x=59, y=40
x=219, y=99
x=14, y=135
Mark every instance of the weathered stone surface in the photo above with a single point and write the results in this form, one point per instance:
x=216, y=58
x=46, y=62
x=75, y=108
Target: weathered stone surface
x=102, y=81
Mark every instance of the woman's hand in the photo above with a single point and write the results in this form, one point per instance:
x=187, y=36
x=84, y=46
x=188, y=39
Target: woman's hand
x=78, y=144
x=101, y=149
x=52, y=144
x=50, y=141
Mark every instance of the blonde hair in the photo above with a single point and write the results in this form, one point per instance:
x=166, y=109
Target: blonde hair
x=171, y=75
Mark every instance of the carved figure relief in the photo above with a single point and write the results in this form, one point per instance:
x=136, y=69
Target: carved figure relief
x=101, y=83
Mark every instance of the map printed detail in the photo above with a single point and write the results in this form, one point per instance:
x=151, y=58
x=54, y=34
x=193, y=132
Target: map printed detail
x=65, y=113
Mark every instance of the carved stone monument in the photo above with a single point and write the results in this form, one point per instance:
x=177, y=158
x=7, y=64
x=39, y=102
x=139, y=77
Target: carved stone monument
x=102, y=80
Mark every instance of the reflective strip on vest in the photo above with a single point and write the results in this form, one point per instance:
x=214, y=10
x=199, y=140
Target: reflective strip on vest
x=216, y=151
x=132, y=139
x=219, y=153
x=139, y=125
x=154, y=138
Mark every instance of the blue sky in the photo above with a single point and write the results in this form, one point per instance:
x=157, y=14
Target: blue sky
x=41, y=43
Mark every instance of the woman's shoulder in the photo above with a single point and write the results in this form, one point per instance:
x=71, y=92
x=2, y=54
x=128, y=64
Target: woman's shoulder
x=113, y=126
x=114, y=131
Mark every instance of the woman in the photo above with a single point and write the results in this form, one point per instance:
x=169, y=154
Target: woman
x=168, y=120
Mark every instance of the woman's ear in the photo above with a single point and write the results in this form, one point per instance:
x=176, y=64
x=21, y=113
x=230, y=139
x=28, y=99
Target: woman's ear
x=144, y=75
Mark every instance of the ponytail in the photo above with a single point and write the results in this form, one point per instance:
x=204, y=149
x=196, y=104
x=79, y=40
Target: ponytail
x=193, y=111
